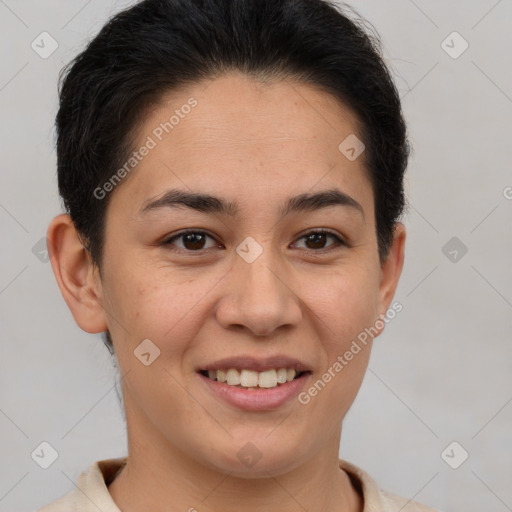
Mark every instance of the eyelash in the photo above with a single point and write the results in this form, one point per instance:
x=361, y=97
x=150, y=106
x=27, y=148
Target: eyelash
x=338, y=241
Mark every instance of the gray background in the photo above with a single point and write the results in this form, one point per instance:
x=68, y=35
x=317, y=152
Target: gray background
x=442, y=370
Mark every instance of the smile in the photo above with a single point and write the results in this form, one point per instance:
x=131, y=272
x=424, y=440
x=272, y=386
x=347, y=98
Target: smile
x=252, y=379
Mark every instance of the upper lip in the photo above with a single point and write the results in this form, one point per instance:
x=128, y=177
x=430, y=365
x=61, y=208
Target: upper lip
x=246, y=362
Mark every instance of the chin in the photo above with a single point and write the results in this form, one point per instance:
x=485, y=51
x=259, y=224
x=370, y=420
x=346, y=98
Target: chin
x=253, y=457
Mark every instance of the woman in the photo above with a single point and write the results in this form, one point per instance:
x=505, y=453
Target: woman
x=232, y=172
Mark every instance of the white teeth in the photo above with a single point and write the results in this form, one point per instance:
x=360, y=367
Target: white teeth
x=268, y=379
x=233, y=377
x=281, y=375
x=248, y=379
x=253, y=379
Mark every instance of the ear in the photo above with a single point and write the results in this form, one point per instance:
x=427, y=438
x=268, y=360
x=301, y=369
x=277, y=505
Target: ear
x=391, y=269
x=78, y=279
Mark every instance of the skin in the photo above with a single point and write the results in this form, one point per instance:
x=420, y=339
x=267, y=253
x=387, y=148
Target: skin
x=256, y=144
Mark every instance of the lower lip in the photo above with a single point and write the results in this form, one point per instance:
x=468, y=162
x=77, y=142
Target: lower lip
x=256, y=399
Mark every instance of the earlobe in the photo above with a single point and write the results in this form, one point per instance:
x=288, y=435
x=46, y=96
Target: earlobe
x=76, y=276
x=391, y=268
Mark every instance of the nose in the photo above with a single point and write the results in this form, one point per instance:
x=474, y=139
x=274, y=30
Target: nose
x=259, y=298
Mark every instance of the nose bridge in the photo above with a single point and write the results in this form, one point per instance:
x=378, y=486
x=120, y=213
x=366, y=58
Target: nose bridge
x=259, y=269
x=261, y=300
x=262, y=275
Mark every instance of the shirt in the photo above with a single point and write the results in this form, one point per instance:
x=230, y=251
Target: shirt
x=93, y=495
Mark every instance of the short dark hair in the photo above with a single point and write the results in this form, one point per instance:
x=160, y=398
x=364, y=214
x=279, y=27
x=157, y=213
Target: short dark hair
x=158, y=46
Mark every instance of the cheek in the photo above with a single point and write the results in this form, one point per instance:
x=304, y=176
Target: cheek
x=348, y=307
x=162, y=310
x=346, y=304
x=345, y=314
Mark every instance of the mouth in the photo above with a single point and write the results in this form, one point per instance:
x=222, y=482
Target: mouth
x=255, y=384
x=251, y=379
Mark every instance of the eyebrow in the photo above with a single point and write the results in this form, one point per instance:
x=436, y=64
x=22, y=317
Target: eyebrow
x=207, y=203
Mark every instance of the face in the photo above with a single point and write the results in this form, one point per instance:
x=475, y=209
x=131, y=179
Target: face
x=262, y=285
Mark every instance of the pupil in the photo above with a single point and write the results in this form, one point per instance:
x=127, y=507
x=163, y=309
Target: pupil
x=317, y=238
x=190, y=238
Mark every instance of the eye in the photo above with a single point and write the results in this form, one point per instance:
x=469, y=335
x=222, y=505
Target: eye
x=193, y=241
x=317, y=239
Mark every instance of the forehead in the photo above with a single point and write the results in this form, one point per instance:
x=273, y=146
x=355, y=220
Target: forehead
x=237, y=134
x=245, y=109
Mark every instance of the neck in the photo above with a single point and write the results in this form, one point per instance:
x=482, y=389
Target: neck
x=160, y=477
